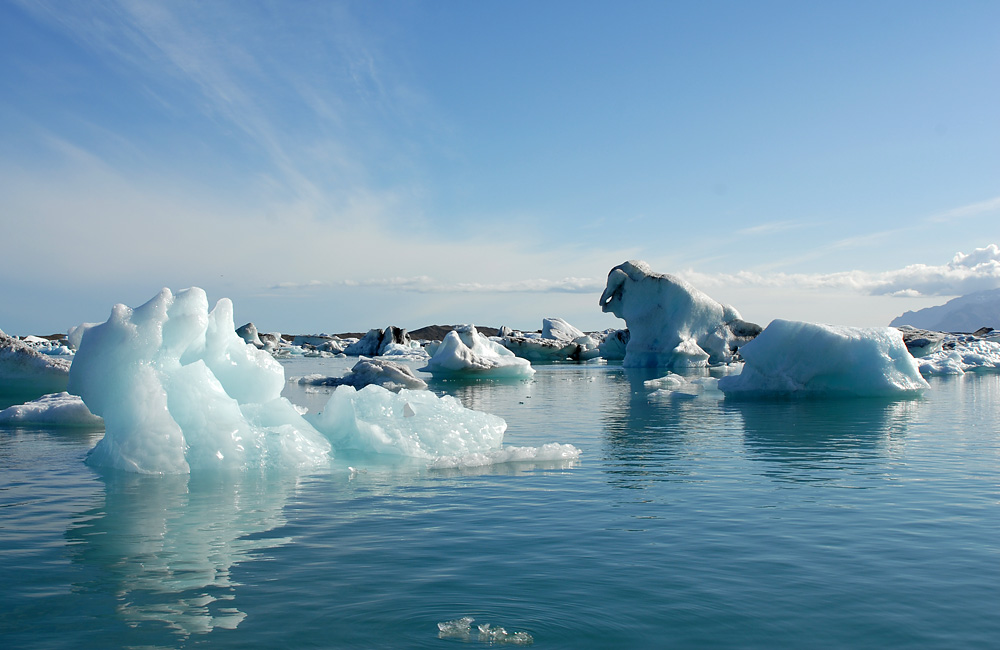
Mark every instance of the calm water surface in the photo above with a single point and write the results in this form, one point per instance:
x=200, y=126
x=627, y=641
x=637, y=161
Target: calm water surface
x=687, y=523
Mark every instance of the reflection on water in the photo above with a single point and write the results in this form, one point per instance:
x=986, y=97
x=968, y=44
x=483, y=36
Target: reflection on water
x=650, y=438
x=810, y=437
x=166, y=545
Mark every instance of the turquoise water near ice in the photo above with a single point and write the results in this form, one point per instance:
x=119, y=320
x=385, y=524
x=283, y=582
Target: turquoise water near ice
x=687, y=523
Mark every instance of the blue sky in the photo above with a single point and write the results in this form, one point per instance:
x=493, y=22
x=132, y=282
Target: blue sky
x=340, y=166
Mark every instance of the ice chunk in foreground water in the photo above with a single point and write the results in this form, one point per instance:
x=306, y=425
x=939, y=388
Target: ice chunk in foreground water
x=419, y=424
x=411, y=423
x=179, y=390
x=461, y=628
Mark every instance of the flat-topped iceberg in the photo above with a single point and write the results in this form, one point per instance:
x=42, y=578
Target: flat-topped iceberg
x=60, y=410
x=25, y=371
x=466, y=353
x=795, y=358
x=179, y=390
x=671, y=323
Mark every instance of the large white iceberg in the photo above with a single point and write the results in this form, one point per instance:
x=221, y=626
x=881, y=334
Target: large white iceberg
x=795, y=358
x=25, y=371
x=179, y=390
x=670, y=322
x=466, y=353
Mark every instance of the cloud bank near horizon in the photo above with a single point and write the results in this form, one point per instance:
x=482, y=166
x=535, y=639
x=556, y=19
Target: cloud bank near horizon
x=965, y=273
x=427, y=284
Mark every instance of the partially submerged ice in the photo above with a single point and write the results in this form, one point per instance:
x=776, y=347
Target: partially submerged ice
x=796, y=358
x=179, y=390
x=461, y=628
x=670, y=322
x=380, y=372
x=25, y=371
x=419, y=424
x=465, y=353
x=410, y=423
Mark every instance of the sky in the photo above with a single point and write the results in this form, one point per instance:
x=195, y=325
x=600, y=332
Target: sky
x=339, y=166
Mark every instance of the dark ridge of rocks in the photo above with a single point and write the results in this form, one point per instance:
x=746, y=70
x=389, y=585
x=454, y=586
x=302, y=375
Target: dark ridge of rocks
x=438, y=332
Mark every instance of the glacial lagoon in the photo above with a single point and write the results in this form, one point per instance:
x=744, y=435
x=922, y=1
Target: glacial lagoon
x=688, y=521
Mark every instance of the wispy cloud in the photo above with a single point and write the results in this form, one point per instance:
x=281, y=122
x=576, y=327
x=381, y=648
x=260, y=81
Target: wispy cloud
x=965, y=273
x=771, y=228
x=971, y=210
x=281, y=97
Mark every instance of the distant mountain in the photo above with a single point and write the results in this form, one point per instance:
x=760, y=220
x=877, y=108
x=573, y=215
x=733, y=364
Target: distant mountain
x=964, y=314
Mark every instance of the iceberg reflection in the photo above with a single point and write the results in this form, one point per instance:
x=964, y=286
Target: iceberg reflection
x=802, y=439
x=166, y=546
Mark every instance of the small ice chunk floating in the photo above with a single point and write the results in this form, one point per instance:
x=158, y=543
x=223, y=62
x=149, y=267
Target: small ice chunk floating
x=795, y=358
x=179, y=390
x=461, y=629
x=465, y=353
x=672, y=324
